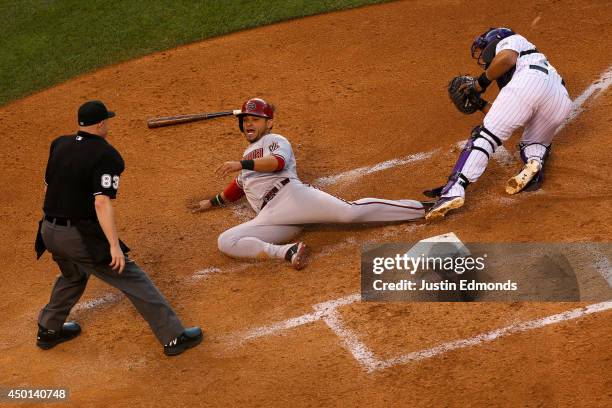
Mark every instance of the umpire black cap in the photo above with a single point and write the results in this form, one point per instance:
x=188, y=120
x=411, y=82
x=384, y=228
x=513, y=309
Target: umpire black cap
x=92, y=112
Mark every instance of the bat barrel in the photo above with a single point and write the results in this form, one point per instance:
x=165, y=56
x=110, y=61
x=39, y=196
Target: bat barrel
x=178, y=119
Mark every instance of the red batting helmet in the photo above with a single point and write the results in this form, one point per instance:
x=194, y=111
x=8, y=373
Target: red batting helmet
x=255, y=107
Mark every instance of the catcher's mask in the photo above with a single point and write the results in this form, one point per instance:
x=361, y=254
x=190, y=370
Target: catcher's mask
x=255, y=107
x=483, y=46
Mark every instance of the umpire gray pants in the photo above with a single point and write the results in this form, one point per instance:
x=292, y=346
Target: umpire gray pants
x=68, y=250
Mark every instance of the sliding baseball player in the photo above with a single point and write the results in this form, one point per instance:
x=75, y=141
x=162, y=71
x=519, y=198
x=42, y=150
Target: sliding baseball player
x=267, y=176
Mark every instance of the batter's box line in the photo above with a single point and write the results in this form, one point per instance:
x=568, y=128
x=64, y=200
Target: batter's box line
x=328, y=313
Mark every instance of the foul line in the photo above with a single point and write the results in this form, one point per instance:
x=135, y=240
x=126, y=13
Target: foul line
x=493, y=335
x=354, y=174
x=594, y=90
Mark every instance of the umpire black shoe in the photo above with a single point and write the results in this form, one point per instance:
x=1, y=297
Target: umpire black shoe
x=47, y=339
x=191, y=337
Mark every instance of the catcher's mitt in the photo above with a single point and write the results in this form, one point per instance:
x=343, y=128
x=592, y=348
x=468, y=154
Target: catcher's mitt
x=463, y=94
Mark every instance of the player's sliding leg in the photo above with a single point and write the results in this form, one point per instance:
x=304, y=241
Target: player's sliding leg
x=253, y=240
x=299, y=203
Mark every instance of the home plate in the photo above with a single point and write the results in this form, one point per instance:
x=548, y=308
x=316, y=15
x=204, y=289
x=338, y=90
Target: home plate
x=440, y=246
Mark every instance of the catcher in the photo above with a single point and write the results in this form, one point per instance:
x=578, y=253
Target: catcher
x=267, y=175
x=532, y=95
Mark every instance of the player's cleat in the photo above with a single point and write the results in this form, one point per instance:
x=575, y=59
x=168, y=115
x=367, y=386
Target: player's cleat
x=297, y=255
x=427, y=205
x=517, y=183
x=191, y=337
x=434, y=192
x=444, y=205
x=47, y=339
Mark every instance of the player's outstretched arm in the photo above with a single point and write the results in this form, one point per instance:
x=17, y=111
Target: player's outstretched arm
x=231, y=193
x=267, y=164
x=201, y=206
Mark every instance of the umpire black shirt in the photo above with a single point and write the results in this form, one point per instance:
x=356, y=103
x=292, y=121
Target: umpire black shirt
x=80, y=167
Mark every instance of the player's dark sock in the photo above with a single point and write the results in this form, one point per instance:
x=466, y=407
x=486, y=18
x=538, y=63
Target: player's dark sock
x=291, y=251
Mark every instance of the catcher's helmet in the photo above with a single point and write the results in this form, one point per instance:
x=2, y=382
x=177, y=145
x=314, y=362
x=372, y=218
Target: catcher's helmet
x=255, y=107
x=483, y=46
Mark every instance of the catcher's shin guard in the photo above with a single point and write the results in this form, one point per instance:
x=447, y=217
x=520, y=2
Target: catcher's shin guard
x=470, y=165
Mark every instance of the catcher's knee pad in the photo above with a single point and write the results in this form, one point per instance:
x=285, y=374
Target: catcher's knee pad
x=481, y=141
x=484, y=140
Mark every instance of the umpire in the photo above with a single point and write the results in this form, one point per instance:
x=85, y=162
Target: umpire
x=79, y=231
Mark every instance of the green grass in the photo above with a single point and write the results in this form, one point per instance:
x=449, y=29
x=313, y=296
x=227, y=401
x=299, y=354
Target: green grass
x=45, y=42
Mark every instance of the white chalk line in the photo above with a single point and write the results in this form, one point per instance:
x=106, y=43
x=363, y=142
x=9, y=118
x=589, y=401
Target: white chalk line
x=492, y=335
x=320, y=311
x=593, y=91
x=106, y=299
x=328, y=313
x=353, y=175
x=351, y=341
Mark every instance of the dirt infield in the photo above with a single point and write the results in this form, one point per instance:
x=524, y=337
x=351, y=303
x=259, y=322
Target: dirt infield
x=353, y=89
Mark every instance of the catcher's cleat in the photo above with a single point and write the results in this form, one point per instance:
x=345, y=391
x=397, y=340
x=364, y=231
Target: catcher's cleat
x=297, y=255
x=47, y=339
x=444, y=205
x=191, y=337
x=517, y=183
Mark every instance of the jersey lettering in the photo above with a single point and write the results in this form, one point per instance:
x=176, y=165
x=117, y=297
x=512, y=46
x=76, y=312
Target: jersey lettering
x=254, y=154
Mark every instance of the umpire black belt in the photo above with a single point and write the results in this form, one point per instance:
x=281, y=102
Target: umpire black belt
x=65, y=222
x=272, y=193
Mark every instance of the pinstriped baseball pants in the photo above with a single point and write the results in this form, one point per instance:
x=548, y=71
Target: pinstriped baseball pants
x=534, y=100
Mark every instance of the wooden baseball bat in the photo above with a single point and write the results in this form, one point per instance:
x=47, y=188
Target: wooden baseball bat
x=178, y=119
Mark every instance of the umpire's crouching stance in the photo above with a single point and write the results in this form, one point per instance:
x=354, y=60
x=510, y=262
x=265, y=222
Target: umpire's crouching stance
x=79, y=230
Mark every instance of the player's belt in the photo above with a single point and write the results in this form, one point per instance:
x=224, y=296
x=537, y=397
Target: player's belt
x=272, y=193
